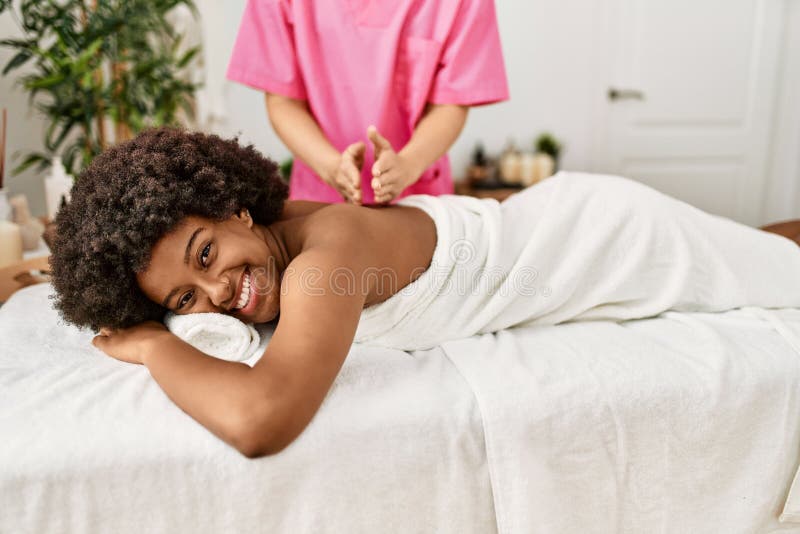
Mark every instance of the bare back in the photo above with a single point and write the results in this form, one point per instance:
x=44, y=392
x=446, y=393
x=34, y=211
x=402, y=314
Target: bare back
x=400, y=240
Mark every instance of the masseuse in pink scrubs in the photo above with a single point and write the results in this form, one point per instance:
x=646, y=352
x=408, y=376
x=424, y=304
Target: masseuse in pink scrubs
x=367, y=94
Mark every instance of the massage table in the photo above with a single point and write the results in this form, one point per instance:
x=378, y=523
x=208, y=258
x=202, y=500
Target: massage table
x=680, y=423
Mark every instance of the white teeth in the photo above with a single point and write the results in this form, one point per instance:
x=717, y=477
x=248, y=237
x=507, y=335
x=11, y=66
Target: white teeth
x=244, y=298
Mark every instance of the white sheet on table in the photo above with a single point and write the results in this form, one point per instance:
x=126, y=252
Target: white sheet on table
x=93, y=445
x=680, y=423
x=687, y=422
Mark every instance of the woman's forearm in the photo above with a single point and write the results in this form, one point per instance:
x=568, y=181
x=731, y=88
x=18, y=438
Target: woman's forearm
x=297, y=128
x=435, y=133
x=216, y=393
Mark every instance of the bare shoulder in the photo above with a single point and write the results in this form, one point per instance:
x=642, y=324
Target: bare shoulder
x=395, y=239
x=366, y=224
x=342, y=234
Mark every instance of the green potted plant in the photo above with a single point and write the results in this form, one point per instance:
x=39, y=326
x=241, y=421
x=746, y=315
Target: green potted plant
x=102, y=71
x=286, y=168
x=544, y=161
x=547, y=144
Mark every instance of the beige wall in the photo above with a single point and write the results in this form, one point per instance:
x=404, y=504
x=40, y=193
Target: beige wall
x=25, y=128
x=783, y=192
x=550, y=49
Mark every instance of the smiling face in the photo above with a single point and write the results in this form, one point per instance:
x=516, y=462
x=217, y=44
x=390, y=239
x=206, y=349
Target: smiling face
x=225, y=266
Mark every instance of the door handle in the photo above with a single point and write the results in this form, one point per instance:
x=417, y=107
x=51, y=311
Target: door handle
x=624, y=94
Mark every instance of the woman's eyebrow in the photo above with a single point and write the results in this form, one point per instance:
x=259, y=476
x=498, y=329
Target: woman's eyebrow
x=189, y=245
x=165, y=302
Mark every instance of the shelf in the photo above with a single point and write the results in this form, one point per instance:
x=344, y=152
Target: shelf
x=8, y=286
x=499, y=194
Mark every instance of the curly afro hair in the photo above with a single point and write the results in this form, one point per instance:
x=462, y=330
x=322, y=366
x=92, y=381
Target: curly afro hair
x=133, y=194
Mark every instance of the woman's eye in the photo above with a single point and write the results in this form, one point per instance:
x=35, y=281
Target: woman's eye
x=204, y=254
x=185, y=299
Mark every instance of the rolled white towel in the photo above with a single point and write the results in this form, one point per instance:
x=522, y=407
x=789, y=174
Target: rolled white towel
x=216, y=334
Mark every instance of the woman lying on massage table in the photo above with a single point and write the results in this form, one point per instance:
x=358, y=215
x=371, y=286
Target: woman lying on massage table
x=192, y=223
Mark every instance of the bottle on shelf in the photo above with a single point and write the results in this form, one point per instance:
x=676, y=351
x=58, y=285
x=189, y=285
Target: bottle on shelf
x=511, y=165
x=30, y=227
x=10, y=243
x=57, y=188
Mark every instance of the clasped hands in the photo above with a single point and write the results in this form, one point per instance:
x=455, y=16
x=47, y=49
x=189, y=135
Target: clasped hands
x=391, y=172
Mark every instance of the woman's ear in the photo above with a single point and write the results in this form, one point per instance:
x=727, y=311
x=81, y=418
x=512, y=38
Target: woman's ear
x=243, y=215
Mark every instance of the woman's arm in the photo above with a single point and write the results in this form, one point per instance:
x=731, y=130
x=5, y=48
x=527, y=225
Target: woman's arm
x=207, y=388
x=434, y=134
x=261, y=410
x=320, y=310
x=297, y=128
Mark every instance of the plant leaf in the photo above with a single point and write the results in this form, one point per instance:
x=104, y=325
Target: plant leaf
x=17, y=61
x=187, y=57
x=32, y=159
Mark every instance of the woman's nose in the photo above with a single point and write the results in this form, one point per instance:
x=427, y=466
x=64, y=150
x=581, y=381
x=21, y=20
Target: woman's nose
x=220, y=293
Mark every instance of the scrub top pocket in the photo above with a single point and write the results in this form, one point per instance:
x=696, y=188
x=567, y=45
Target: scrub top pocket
x=417, y=62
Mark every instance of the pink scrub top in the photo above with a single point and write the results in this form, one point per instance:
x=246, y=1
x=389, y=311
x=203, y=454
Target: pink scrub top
x=362, y=62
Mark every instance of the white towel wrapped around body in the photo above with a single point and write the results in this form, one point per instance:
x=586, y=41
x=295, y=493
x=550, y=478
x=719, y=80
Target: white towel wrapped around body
x=216, y=334
x=578, y=246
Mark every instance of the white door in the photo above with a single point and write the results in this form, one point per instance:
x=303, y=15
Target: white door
x=690, y=99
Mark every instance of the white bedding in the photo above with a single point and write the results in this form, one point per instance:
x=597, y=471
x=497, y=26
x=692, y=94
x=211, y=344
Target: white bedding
x=93, y=445
x=578, y=246
x=687, y=422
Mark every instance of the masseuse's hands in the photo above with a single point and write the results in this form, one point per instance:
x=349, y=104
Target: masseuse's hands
x=130, y=344
x=391, y=172
x=346, y=177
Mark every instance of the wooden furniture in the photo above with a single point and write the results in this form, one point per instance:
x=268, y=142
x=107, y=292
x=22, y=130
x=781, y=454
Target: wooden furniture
x=500, y=193
x=13, y=278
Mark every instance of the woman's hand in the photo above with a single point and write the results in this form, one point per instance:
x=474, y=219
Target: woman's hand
x=130, y=344
x=346, y=177
x=391, y=172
